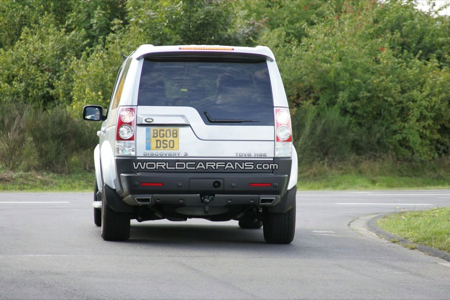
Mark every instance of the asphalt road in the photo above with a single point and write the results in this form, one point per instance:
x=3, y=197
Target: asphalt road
x=50, y=249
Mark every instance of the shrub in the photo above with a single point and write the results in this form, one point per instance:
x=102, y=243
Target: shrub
x=57, y=137
x=93, y=78
x=369, y=75
x=34, y=66
x=322, y=135
x=12, y=135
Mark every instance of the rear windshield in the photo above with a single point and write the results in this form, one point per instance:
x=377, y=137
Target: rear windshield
x=223, y=92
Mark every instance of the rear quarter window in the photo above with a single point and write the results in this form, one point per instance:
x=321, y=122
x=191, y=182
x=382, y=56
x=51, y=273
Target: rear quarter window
x=118, y=86
x=223, y=92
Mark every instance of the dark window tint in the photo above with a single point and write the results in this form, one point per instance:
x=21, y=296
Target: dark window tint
x=222, y=92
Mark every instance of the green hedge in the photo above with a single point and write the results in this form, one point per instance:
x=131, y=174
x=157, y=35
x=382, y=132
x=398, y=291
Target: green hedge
x=363, y=78
x=52, y=140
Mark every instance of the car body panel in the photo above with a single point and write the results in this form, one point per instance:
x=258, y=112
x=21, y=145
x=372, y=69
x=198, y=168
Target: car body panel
x=98, y=174
x=294, y=170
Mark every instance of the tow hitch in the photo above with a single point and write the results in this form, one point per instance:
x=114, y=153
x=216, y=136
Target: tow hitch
x=206, y=199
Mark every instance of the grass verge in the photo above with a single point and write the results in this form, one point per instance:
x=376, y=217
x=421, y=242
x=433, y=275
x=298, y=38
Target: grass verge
x=42, y=182
x=365, y=182
x=426, y=227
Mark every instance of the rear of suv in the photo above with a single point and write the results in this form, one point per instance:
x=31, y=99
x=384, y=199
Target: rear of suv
x=196, y=132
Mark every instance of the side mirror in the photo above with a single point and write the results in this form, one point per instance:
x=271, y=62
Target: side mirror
x=93, y=113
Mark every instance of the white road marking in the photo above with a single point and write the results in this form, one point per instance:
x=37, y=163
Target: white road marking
x=417, y=194
x=34, y=202
x=393, y=204
x=445, y=264
x=360, y=192
x=306, y=194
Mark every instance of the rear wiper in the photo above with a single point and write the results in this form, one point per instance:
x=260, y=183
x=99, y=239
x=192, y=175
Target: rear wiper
x=226, y=120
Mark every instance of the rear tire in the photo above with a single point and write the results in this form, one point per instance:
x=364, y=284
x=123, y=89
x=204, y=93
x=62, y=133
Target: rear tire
x=98, y=217
x=115, y=226
x=97, y=211
x=250, y=225
x=279, y=228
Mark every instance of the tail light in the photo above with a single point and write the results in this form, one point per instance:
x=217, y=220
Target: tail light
x=283, y=133
x=126, y=127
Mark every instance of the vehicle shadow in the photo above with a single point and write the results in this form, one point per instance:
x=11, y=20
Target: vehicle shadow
x=185, y=234
x=197, y=238
x=184, y=239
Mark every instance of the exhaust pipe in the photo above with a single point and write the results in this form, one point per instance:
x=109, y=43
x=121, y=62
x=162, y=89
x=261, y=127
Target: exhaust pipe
x=266, y=200
x=143, y=200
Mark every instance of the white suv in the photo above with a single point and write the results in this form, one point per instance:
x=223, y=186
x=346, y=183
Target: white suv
x=196, y=132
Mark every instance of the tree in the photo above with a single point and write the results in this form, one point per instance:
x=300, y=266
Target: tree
x=32, y=69
x=348, y=62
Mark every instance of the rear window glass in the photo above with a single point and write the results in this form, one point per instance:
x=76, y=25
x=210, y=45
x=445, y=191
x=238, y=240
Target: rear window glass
x=223, y=92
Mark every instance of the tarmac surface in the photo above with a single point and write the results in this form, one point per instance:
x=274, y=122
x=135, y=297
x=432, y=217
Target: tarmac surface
x=51, y=249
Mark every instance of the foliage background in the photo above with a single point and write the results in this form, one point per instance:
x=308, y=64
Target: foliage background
x=365, y=79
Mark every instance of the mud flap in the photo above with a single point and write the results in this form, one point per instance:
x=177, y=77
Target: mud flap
x=114, y=201
x=286, y=203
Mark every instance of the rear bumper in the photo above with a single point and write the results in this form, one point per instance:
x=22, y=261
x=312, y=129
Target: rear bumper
x=188, y=189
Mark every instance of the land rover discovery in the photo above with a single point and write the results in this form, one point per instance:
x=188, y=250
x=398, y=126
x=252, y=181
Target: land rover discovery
x=196, y=132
